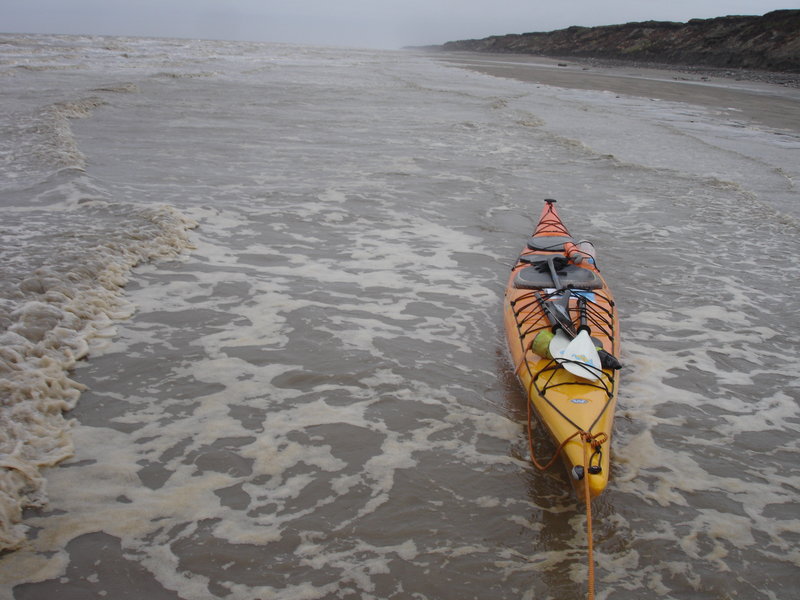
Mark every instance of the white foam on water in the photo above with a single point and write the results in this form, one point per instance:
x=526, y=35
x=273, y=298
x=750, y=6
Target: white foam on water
x=51, y=316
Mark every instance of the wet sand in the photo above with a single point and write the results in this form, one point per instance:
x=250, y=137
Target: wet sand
x=769, y=104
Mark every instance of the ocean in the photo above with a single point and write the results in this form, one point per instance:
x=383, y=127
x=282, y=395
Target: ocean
x=251, y=339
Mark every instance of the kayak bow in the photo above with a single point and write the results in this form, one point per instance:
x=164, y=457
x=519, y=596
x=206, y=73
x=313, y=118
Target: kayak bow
x=562, y=330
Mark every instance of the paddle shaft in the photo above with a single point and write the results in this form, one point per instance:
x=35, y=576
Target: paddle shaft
x=583, y=317
x=554, y=273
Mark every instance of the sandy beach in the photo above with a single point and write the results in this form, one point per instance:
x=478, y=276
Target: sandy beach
x=770, y=104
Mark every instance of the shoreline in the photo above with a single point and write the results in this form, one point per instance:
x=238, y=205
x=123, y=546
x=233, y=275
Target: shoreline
x=780, y=78
x=772, y=99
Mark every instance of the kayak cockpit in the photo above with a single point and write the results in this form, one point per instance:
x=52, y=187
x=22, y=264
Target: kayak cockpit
x=571, y=276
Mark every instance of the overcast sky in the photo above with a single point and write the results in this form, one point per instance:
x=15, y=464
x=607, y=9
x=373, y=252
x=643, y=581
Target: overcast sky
x=359, y=23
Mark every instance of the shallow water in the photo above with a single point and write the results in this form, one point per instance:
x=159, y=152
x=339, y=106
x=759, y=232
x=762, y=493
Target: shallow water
x=308, y=395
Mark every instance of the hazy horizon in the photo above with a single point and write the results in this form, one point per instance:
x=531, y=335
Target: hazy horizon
x=358, y=23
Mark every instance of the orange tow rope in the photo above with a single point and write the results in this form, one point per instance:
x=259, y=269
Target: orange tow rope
x=589, y=440
x=530, y=444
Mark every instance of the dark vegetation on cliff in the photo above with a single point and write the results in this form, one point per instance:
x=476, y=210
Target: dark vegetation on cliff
x=770, y=42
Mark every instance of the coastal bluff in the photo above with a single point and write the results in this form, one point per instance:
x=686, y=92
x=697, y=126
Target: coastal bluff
x=770, y=42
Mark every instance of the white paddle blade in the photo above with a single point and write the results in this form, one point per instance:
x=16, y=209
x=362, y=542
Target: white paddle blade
x=580, y=352
x=559, y=343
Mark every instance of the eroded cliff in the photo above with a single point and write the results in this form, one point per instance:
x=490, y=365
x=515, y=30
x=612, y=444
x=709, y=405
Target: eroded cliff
x=769, y=42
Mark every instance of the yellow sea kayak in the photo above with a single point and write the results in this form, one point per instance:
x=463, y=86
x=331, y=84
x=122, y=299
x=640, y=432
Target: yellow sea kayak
x=562, y=330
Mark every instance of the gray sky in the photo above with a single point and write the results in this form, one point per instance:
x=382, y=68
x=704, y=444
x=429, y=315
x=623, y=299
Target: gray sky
x=359, y=23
